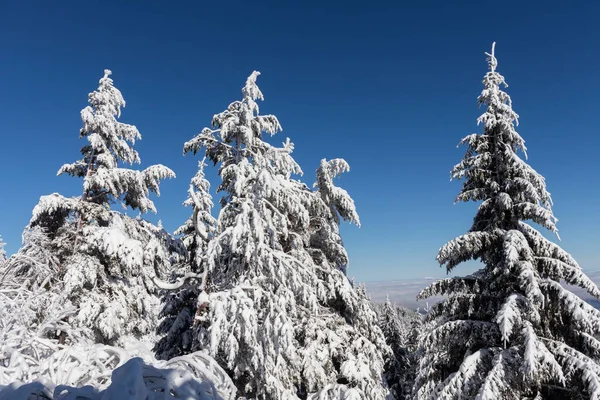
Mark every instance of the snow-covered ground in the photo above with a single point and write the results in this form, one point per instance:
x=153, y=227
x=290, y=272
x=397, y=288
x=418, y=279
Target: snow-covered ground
x=82, y=375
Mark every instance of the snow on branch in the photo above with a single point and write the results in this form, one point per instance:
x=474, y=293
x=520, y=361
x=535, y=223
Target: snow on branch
x=492, y=61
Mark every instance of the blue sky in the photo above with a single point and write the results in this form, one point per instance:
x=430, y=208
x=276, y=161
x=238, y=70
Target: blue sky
x=389, y=86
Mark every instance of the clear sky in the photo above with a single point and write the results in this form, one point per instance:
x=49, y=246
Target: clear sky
x=389, y=86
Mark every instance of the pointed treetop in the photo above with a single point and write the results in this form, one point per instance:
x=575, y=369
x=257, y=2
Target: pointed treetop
x=202, y=163
x=492, y=61
x=110, y=142
x=251, y=90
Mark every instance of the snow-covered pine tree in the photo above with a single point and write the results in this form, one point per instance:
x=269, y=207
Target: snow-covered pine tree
x=181, y=298
x=101, y=261
x=284, y=326
x=510, y=330
x=400, y=327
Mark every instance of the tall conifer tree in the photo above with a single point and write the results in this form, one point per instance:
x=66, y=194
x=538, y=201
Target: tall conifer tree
x=283, y=320
x=102, y=262
x=180, y=299
x=510, y=330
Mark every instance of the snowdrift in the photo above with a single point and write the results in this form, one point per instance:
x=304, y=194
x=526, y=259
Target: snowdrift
x=85, y=374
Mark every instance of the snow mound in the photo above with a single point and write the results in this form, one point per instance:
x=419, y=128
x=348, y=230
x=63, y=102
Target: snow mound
x=133, y=380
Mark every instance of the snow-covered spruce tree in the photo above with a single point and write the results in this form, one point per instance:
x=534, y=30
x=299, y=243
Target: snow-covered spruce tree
x=510, y=330
x=180, y=300
x=400, y=327
x=283, y=325
x=103, y=262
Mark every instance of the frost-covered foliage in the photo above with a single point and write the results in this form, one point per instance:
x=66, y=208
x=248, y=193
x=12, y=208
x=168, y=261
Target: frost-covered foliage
x=400, y=327
x=2, y=251
x=510, y=330
x=33, y=326
x=62, y=358
x=108, y=145
x=277, y=311
x=100, y=372
x=180, y=300
x=108, y=270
